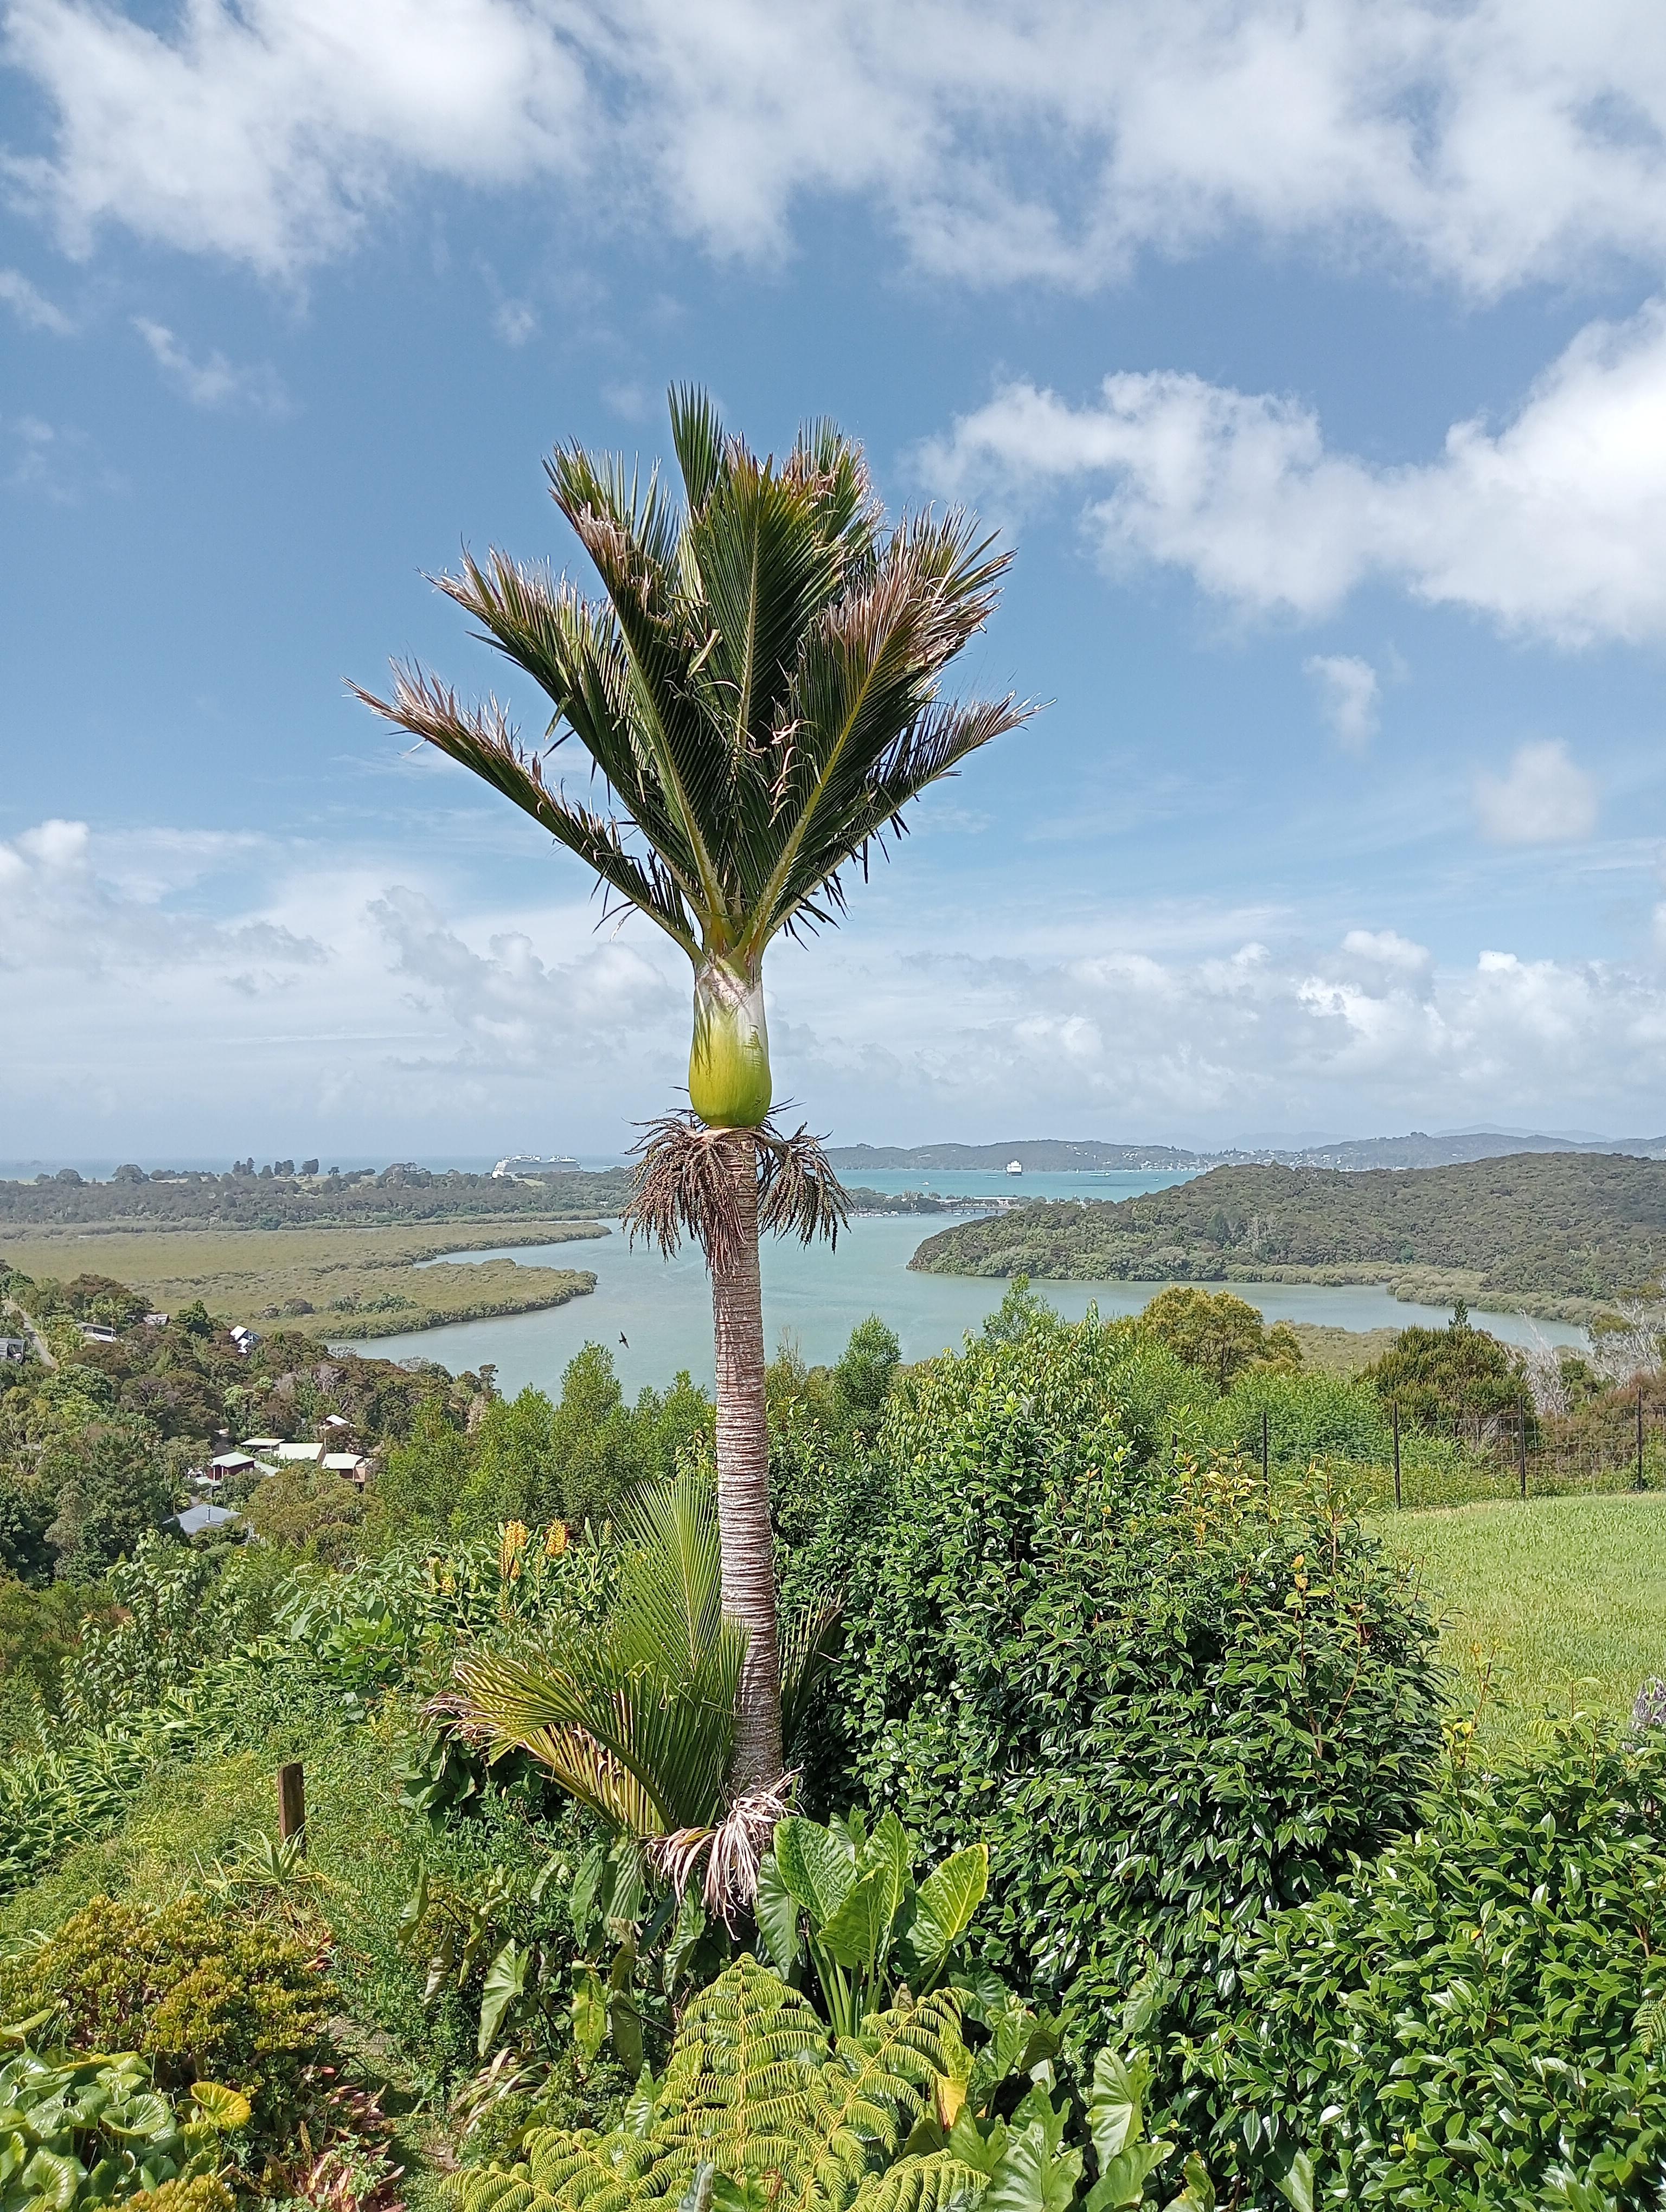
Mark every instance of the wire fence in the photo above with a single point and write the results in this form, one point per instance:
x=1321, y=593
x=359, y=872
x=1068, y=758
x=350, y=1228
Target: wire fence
x=1514, y=1453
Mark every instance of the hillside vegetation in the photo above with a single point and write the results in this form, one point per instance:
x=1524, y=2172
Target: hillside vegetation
x=359, y=1199
x=1532, y=1228
x=343, y=1282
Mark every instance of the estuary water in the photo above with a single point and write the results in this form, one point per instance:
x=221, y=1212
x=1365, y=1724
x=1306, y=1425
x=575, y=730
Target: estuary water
x=654, y=1314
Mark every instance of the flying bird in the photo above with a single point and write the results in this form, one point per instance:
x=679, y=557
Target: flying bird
x=624, y=1339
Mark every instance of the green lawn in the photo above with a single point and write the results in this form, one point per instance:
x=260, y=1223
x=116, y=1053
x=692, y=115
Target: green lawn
x=1563, y=1599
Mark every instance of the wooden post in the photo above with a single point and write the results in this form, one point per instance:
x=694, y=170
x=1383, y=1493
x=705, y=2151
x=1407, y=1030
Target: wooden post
x=1521, y=1440
x=292, y=1802
x=1396, y=1455
x=1639, y=1432
x=1266, y=1456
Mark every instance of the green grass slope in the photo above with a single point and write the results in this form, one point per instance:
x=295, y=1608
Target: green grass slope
x=1561, y=1602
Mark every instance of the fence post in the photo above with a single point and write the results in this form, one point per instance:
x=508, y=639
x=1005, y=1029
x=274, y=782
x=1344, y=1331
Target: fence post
x=1266, y=1457
x=1521, y=1427
x=1640, y=1484
x=292, y=1802
x=1396, y=1455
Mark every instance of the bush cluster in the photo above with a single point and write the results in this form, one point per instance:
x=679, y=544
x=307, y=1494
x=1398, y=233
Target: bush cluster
x=1172, y=1705
x=206, y=1996
x=1474, y=2018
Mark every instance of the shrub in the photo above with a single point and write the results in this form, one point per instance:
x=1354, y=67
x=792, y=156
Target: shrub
x=78, y=2134
x=1446, y=1379
x=1172, y=1706
x=1217, y=1333
x=1474, y=2019
x=205, y=1996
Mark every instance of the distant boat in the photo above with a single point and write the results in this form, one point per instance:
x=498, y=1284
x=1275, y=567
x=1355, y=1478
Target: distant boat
x=1015, y=1167
x=530, y=1164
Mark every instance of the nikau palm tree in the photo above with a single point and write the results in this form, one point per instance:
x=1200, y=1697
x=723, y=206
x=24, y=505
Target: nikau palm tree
x=758, y=693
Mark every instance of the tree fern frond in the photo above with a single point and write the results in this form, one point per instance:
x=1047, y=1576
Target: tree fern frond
x=938, y=2182
x=754, y=2090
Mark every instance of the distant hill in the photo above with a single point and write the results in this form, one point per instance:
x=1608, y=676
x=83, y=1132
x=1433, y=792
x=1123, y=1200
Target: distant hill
x=359, y=1199
x=1039, y=1155
x=1061, y=1156
x=1520, y=1227
x=1454, y=1146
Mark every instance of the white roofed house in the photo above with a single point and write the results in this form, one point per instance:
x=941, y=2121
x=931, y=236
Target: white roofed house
x=313, y=1452
x=354, y=1466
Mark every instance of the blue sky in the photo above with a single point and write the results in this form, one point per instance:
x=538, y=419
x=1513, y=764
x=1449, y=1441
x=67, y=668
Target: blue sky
x=1314, y=359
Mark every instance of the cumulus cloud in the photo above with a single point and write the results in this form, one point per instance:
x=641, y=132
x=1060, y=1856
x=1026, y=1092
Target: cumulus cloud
x=1490, y=143
x=1544, y=798
x=1370, y=1032
x=214, y=382
x=63, y=912
x=1350, y=696
x=182, y=988
x=1555, y=524
x=511, y=1007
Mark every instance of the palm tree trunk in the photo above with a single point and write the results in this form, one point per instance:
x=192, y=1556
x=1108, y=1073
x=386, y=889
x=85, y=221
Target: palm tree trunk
x=743, y=1475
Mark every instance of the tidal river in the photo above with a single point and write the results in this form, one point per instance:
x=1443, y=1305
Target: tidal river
x=661, y=1309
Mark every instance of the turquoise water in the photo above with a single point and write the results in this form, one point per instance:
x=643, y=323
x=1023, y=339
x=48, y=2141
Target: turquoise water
x=992, y=1182
x=662, y=1308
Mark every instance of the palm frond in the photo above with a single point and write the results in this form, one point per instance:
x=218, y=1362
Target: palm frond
x=759, y=688
x=808, y=1641
x=483, y=739
x=636, y=1715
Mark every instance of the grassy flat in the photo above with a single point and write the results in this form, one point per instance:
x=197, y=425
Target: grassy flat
x=1562, y=1601
x=341, y=1282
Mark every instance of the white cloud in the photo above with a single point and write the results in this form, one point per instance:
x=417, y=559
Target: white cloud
x=1490, y=143
x=1554, y=524
x=1350, y=696
x=515, y=321
x=1372, y=1033
x=214, y=382
x=179, y=989
x=1544, y=798
x=32, y=307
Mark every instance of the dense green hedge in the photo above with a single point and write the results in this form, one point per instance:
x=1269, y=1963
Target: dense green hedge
x=1467, y=2021
x=1172, y=1705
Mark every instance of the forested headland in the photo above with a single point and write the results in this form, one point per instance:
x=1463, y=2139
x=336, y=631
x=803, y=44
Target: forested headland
x=1545, y=1231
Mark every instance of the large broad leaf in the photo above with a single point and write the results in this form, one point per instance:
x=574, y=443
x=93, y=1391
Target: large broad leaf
x=219, y=2107
x=506, y=1981
x=146, y=2119
x=1122, y=2180
x=1296, y=2184
x=1033, y=2176
x=1199, y=2193
x=944, y=1909
x=1117, y=2105
x=818, y=1865
x=776, y=1910
x=888, y=1852
x=855, y=1935
x=53, y=2179
x=589, y=2011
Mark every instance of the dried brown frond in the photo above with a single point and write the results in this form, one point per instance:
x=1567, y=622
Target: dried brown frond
x=733, y=1850
x=685, y=1187
x=799, y=1194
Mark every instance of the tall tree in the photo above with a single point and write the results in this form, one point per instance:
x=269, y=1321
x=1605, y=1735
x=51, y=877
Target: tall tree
x=758, y=690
